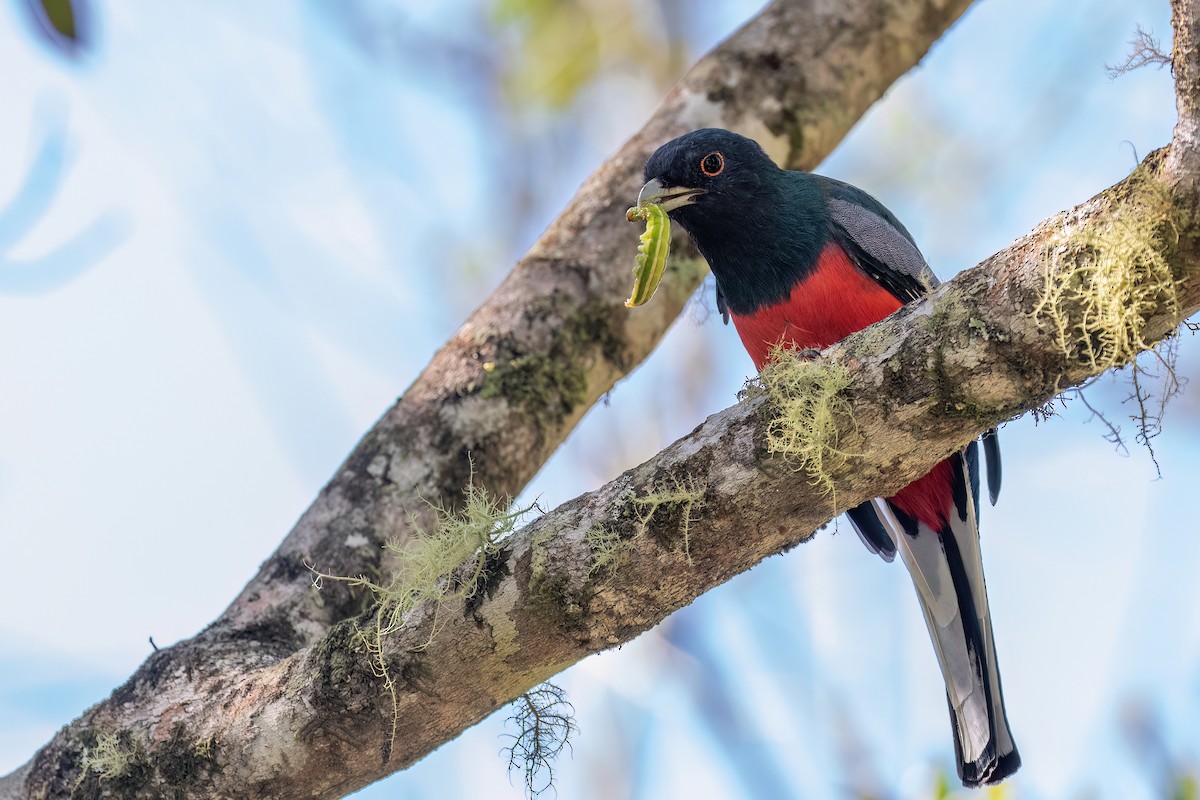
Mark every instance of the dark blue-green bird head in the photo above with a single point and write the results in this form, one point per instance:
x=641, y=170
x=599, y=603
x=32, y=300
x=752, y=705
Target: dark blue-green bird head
x=710, y=179
x=758, y=226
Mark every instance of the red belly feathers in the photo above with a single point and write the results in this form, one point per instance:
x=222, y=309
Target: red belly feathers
x=834, y=301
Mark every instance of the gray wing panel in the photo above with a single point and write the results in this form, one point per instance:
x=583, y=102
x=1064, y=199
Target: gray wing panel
x=880, y=241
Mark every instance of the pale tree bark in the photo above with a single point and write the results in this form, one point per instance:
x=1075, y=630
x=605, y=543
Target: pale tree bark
x=1184, y=161
x=276, y=698
x=555, y=336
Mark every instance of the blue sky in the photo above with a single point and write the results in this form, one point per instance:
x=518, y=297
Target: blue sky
x=242, y=260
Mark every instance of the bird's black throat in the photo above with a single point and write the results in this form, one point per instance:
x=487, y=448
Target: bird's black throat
x=760, y=246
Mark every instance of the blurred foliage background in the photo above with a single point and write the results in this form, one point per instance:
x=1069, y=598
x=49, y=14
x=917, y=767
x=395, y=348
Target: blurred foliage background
x=231, y=233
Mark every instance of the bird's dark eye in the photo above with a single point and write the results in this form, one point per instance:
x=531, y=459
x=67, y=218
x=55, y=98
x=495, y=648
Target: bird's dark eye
x=712, y=164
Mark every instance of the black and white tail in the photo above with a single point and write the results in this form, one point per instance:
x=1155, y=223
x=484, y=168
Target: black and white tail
x=947, y=571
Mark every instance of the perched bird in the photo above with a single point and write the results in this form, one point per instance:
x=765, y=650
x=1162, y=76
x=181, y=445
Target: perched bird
x=803, y=261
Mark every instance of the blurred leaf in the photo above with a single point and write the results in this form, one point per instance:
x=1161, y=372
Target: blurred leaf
x=1000, y=791
x=61, y=23
x=61, y=15
x=941, y=788
x=34, y=201
x=515, y=10
x=559, y=47
x=1185, y=787
x=560, y=51
x=947, y=788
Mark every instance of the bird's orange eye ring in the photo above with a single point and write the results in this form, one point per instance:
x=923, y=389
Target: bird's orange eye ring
x=712, y=164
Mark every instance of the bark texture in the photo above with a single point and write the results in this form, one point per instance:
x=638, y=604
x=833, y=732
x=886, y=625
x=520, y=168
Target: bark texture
x=1185, y=64
x=274, y=699
x=555, y=336
x=923, y=383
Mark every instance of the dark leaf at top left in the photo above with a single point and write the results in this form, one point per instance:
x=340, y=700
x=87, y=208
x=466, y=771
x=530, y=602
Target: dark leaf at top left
x=62, y=24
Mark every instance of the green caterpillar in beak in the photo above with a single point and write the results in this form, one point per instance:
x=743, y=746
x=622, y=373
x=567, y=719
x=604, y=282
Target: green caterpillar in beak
x=653, y=248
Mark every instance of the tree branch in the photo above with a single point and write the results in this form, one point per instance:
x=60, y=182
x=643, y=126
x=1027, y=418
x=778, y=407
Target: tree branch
x=204, y=717
x=924, y=382
x=1143, y=51
x=1185, y=56
x=555, y=336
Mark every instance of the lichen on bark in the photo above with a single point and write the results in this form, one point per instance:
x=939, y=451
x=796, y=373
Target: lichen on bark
x=1102, y=283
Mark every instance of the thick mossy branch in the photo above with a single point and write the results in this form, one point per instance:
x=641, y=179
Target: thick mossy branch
x=808, y=405
x=667, y=511
x=445, y=563
x=545, y=722
x=430, y=562
x=1103, y=283
x=555, y=382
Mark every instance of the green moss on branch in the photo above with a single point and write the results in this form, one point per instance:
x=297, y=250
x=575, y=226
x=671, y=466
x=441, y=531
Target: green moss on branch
x=1102, y=285
x=807, y=408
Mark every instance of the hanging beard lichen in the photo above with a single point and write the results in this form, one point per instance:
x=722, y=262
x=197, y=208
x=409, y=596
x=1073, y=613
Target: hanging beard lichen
x=1101, y=285
x=807, y=402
